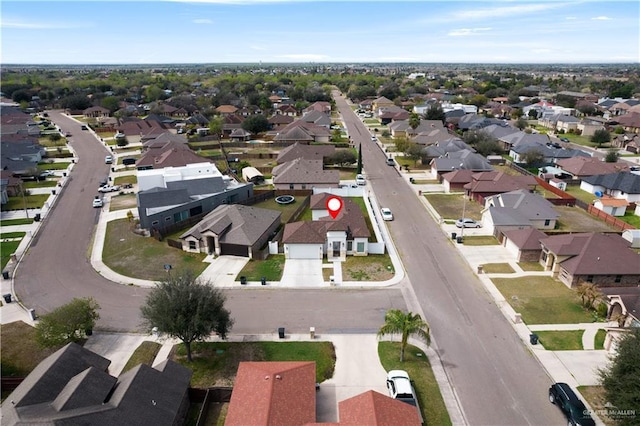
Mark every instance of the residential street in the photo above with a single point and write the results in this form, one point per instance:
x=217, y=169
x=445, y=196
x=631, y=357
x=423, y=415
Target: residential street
x=495, y=377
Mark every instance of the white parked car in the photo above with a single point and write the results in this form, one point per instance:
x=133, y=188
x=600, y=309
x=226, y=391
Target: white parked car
x=467, y=223
x=97, y=201
x=386, y=213
x=109, y=188
x=108, y=159
x=360, y=180
x=400, y=387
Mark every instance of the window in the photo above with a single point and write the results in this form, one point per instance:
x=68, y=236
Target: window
x=589, y=278
x=192, y=245
x=360, y=247
x=547, y=222
x=618, y=278
x=155, y=222
x=290, y=186
x=304, y=186
x=167, y=219
x=349, y=245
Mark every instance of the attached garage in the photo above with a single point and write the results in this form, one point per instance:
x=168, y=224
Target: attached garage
x=234, y=250
x=303, y=251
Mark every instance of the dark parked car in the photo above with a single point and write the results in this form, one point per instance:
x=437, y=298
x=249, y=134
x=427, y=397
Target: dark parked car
x=128, y=161
x=563, y=396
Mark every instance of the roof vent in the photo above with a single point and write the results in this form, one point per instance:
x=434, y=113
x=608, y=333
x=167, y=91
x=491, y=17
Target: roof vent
x=278, y=377
x=266, y=377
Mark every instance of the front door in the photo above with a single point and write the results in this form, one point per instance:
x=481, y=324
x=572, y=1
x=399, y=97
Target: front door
x=336, y=249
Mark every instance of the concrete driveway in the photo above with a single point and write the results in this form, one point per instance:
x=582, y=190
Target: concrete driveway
x=302, y=273
x=223, y=270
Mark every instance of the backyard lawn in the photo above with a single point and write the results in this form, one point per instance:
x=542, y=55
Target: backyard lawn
x=287, y=210
x=543, y=300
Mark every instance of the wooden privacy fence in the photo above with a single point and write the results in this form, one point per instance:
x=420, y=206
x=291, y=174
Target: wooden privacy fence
x=607, y=218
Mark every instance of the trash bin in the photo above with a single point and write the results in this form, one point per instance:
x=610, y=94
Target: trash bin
x=533, y=339
x=5, y=275
x=32, y=314
x=37, y=217
x=243, y=280
x=53, y=192
x=459, y=240
x=312, y=332
x=64, y=174
x=453, y=235
x=411, y=179
x=281, y=332
x=480, y=269
x=7, y=297
x=263, y=280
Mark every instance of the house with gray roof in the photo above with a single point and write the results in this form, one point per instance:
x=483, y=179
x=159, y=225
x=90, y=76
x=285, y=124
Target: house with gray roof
x=232, y=230
x=518, y=209
x=602, y=259
x=72, y=387
x=514, y=139
x=306, y=152
x=622, y=185
x=304, y=174
x=549, y=153
x=457, y=160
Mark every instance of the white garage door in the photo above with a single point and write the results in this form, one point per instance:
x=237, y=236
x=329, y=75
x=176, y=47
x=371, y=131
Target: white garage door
x=305, y=251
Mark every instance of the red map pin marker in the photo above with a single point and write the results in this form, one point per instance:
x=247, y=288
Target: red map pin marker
x=334, y=205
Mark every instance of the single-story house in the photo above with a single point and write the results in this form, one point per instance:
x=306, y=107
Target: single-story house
x=633, y=236
x=464, y=159
x=304, y=174
x=517, y=209
x=284, y=393
x=232, y=230
x=583, y=167
x=72, y=386
x=302, y=131
x=621, y=185
x=524, y=243
x=347, y=234
x=603, y=259
x=306, y=152
x=456, y=180
x=624, y=305
x=486, y=184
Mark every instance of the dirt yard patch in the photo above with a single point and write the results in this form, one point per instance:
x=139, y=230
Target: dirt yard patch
x=450, y=206
x=121, y=202
x=574, y=219
x=367, y=268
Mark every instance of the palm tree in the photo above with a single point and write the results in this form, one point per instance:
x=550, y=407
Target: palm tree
x=407, y=324
x=589, y=293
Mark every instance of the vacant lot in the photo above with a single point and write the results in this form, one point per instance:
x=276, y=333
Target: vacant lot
x=450, y=206
x=374, y=267
x=124, y=201
x=543, y=300
x=20, y=352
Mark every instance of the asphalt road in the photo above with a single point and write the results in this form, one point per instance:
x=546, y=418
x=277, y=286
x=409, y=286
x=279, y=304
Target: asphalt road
x=56, y=269
x=496, y=378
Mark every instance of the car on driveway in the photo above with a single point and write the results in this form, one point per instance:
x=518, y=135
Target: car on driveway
x=467, y=223
x=360, y=180
x=573, y=408
x=386, y=213
x=400, y=387
x=109, y=188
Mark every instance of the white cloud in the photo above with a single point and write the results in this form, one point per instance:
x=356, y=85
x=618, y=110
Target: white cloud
x=467, y=31
x=601, y=18
x=203, y=21
x=505, y=11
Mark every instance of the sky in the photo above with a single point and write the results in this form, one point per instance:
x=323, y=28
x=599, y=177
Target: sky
x=308, y=31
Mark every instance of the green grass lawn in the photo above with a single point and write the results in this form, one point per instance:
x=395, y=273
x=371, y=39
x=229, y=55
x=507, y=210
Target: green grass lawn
x=40, y=184
x=286, y=210
x=141, y=257
x=450, y=206
x=216, y=363
x=430, y=399
x=12, y=222
x=497, y=268
x=271, y=268
x=53, y=166
x=20, y=352
x=599, y=341
x=34, y=201
x=631, y=219
x=121, y=180
x=12, y=235
x=561, y=340
x=543, y=300
x=480, y=240
x=531, y=266
x=413, y=165
x=144, y=354
x=7, y=249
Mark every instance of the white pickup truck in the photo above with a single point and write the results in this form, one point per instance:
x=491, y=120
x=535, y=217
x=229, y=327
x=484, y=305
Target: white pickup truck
x=400, y=388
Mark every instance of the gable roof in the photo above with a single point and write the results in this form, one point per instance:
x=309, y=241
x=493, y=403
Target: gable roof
x=589, y=166
x=303, y=171
x=526, y=239
x=375, y=409
x=519, y=207
x=235, y=224
x=307, y=152
x=169, y=154
x=594, y=254
x=626, y=182
x=273, y=393
x=499, y=182
x=72, y=386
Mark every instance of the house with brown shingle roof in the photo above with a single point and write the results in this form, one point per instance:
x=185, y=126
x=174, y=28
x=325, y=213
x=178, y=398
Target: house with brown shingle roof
x=582, y=167
x=280, y=121
x=304, y=174
x=524, y=244
x=95, y=112
x=306, y=152
x=456, y=180
x=302, y=131
x=375, y=409
x=320, y=106
x=602, y=259
x=347, y=234
x=486, y=184
x=226, y=109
